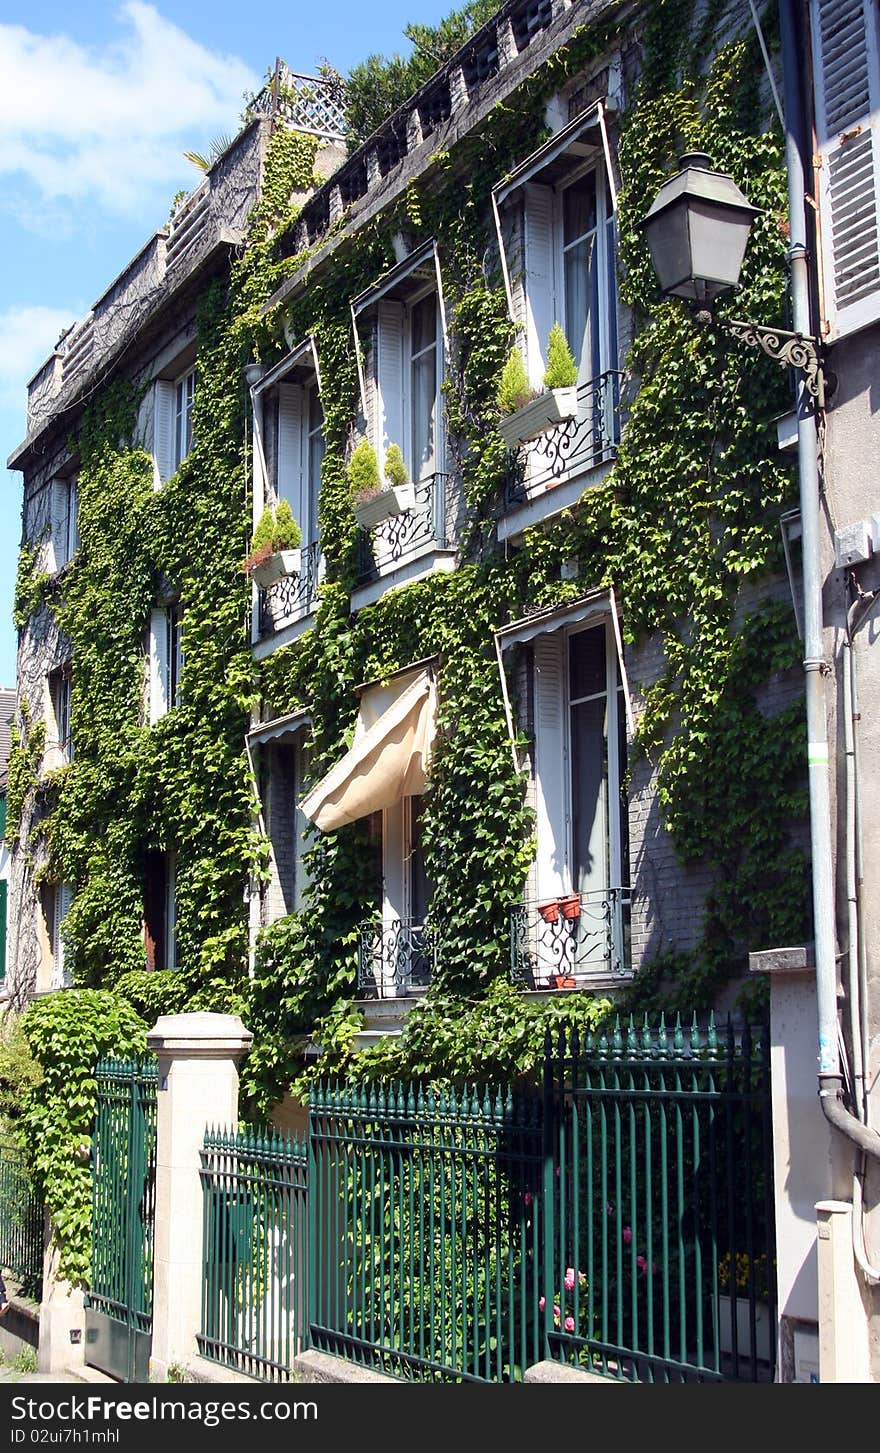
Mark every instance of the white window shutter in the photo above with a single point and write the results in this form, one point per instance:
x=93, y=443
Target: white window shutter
x=845, y=49
x=550, y=765
x=163, y=428
x=539, y=279
x=289, y=482
x=72, y=516
x=390, y=378
x=159, y=664
x=57, y=550
x=514, y=226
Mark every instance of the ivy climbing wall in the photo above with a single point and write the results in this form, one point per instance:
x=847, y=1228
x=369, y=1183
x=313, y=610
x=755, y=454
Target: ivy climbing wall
x=685, y=526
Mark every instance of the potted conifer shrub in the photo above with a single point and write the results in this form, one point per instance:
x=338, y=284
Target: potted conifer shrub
x=373, y=498
x=526, y=413
x=275, y=546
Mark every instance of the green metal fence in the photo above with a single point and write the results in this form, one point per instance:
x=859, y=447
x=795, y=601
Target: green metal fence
x=119, y=1303
x=424, y=1233
x=254, y=1287
x=659, y=1246
x=21, y=1223
x=619, y=1219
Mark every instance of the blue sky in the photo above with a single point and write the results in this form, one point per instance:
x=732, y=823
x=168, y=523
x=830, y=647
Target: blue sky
x=97, y=105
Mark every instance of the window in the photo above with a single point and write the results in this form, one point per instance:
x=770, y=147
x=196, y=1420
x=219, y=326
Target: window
x=184, y=391
x=557, y=235
x=571, y=698
x=172, y=423
x=59, y=742
x=381, y=780
x=160, y=910
x=288, y=450
x=165, y=659
x=400, y=328
x=55, y=901
x=64, y=539
x=283, y=766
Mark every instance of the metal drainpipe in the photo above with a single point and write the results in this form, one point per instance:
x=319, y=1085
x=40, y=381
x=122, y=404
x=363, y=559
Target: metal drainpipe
x=830, y=1081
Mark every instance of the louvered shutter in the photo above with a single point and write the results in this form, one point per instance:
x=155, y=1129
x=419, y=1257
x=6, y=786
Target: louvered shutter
x=550, y=766
x=290, y=447
x=539, y=279
x=163, y=429
x=63, y=898
x=389, y=374
x=158, y=664
x=72, y=516
x=58, y=527
x=847, y=99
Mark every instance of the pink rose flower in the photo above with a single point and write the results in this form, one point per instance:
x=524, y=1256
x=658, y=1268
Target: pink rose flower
x=542, y=1302
x=569, y=1279
x=642, y=1264
x=569, y=1324
x=627, y=1234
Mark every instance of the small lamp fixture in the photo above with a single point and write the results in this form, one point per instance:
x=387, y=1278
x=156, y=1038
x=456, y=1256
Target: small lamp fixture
x=697, y=229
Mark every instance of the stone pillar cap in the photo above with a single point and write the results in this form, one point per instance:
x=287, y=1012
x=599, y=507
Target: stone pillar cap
x=200, y=1033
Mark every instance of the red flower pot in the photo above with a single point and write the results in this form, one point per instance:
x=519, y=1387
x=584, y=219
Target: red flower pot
x=570, y=906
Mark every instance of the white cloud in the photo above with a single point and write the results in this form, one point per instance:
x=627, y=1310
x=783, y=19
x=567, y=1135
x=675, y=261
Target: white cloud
x=27, y=336
x=108, y=125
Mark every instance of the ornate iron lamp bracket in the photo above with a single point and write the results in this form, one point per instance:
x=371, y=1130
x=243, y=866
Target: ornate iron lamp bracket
x=791, y=350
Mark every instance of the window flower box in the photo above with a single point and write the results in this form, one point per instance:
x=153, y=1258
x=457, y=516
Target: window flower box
x=553, y=406
x=382, y=506
x=275, y=566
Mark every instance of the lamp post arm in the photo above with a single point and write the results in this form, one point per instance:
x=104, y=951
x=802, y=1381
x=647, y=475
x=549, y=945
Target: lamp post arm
x=791, y=350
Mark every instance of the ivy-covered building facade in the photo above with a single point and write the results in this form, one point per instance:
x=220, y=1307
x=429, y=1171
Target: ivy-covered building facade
x=509, y=725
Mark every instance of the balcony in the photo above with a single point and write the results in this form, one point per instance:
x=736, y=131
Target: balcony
x=547, y=474
x=407, y=546
x=294, y=597
x=395, y=959
x=571, y=942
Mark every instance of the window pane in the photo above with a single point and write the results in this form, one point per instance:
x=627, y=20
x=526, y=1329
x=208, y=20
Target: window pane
x=424, y=406
x=316, y=454
x=586, y=663
x=589, y=793
x=579, y=209
x=424, y=323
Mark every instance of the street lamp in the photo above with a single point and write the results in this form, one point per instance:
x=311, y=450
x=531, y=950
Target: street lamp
x=697, y=228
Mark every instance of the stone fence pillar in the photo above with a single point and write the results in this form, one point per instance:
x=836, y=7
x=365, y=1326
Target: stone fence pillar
x=198, y=1086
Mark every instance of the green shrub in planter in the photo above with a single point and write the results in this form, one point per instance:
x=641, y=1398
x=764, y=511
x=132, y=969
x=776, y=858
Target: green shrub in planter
x=395, y=468
x=561, y=367
x=363, y=473
x=514, y=391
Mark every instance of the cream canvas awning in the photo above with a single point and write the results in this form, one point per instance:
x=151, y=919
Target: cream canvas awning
x=388, y=758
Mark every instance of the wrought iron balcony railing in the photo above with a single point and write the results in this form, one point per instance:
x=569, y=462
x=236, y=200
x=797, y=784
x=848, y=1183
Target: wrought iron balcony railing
x=395, y=958
x=563, y=943
x=407, y=535
x=293, y=596
x=569, y=449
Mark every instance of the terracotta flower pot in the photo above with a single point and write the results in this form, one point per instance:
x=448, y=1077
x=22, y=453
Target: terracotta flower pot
x=570, y=906
x=549, y=911
x=564, y=981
